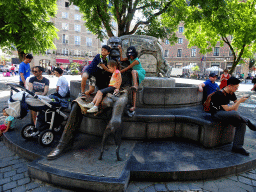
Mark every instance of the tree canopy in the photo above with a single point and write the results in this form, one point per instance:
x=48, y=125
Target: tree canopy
x=25, y=25
x=231, y=21
x=99, y=15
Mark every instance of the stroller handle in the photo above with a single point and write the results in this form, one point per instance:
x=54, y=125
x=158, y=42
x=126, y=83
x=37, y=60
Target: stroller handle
x=13, y=85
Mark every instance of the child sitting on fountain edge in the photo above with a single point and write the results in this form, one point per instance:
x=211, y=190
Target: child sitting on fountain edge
x=114, y=86
x=138, y=73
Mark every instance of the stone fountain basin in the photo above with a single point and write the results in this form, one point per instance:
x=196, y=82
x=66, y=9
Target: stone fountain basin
x=155, y=92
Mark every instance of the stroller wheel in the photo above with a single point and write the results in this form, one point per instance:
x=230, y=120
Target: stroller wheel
x=46, y=137
x=28, y=131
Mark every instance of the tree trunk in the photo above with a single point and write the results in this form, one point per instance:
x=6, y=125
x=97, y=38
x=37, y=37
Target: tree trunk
x=21, y=55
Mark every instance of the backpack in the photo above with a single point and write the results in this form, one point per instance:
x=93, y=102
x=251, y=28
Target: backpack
x=207, y=103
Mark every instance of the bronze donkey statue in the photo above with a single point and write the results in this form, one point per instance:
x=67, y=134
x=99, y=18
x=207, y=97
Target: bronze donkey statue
x=114, y=126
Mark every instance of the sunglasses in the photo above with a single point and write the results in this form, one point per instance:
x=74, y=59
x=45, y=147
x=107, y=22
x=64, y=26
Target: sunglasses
x=35, y=71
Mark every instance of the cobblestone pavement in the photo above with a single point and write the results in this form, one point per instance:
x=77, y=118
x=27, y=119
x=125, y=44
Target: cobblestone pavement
x=14, y=175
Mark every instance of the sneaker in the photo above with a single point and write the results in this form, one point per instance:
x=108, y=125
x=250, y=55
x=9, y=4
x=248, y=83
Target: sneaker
x=93, y=110
x=89, y=105
x=241, y=150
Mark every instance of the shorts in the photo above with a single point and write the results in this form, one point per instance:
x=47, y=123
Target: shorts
x=92, y=79
x=107, y=90
x=3, y=127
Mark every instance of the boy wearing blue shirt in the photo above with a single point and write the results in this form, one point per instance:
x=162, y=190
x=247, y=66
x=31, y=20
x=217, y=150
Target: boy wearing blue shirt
x=209, y=85
x=24, y=69
x=98, y=69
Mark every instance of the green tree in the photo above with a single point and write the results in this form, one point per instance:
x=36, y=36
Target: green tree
x=231, y=21
x=99, y=15
x=25, y=25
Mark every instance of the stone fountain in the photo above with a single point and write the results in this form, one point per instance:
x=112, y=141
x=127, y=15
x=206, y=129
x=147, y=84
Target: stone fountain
x=161, y=142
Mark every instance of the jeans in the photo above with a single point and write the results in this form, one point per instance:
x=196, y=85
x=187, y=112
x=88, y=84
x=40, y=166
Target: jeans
x=235, y=119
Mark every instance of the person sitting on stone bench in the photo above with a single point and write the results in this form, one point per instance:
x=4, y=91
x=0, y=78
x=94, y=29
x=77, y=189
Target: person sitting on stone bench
x=222, y=111
x=114, y=86
x=209, y=86
x=98, y=69
x=138, y=73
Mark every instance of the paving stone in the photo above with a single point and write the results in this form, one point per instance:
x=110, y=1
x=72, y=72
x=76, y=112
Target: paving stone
x=194, y=187
x=184, y=187
x=13, y=162
x=245, y=180
x=6, y=180
x=18, y=176
x=1, y=175
x=132, y=188
x=142, y=185
x=19, y=189
x=234, y=178
x=210, y=185
x=18, y=165
x=41, y=189
x=172, y=186
x=160, y=187
x=249, y=175
x=6, y=169
x=150, y=189
x=9, y=174
x=30, y=186
x=10, y=185
x=23, y=181
x=245, y=187
x=223, y=183
x=22, y=170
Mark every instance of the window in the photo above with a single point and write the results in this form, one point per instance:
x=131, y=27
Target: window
x=76, y=7
x=179, y=53
x=77, y=17
x=104, y=42
x=66, y=4
x=77, y=53
x=181, y=29
x=216, y=51
x=64, y=15
x=88, y=41
x=217, y=64
x=65, y=26
x=78, y=28
x=48, y=51
x=166, y=53
x=64, y=51
x=180, y=41
x=65, y=39
x=166, y=41
x=88, y=31
x=230, y=52
x=193, y=52
x=77, y=40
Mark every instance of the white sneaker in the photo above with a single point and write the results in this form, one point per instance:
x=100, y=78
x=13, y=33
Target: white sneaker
x=89, y=105
x=93, y=110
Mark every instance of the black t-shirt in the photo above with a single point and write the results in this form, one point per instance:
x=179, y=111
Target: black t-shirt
x=38, y=85
x=221, y=98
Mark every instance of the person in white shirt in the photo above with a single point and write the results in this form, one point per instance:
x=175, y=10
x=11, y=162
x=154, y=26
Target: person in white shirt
x=62, y=89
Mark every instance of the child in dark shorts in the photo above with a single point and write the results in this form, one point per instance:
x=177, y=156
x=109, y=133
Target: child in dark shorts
x=114, y=86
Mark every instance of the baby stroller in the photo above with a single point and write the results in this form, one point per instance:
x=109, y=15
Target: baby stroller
x=49, y=120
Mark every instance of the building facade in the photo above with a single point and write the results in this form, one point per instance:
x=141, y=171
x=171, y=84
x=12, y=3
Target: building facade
x=180, y=56
x=75, y=42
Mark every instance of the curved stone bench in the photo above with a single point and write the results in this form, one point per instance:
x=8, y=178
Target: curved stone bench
x=191, y=123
